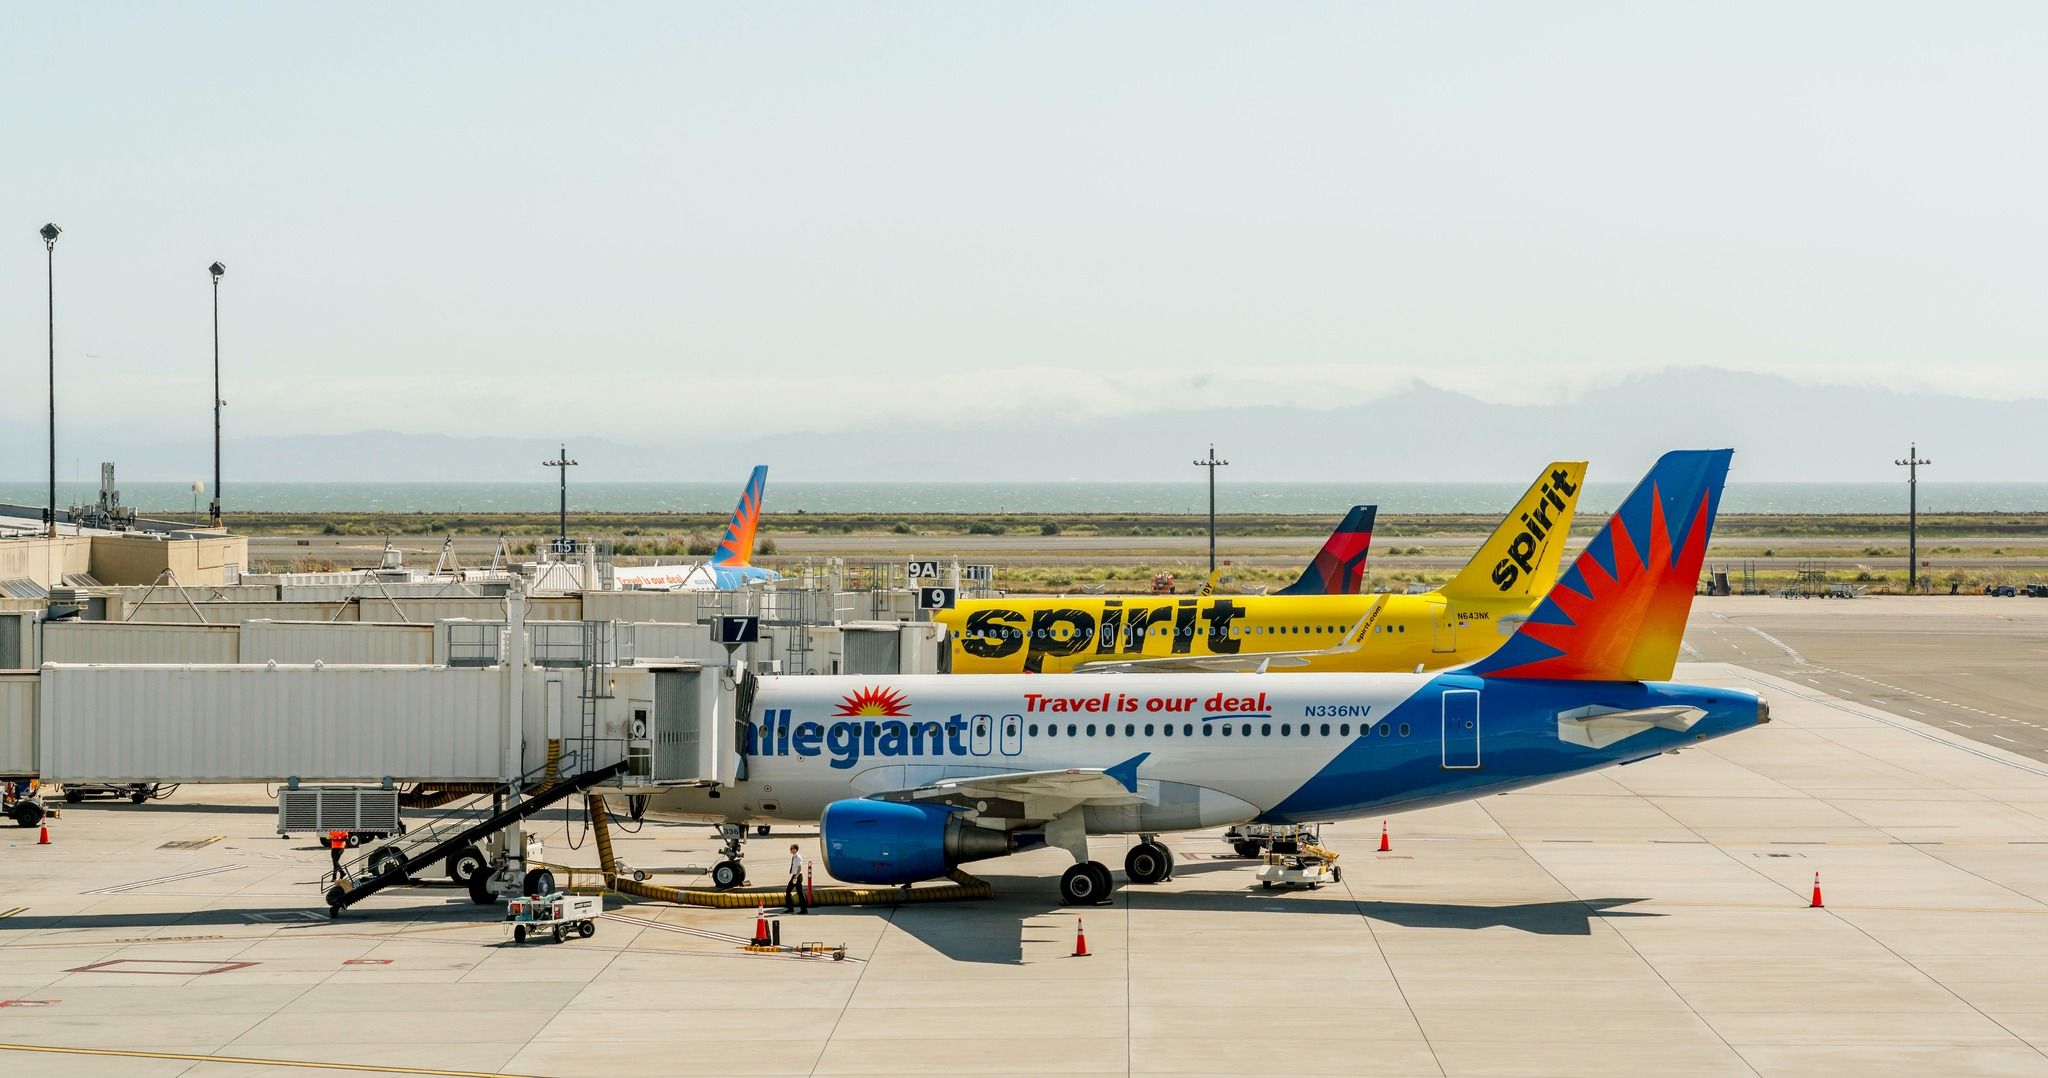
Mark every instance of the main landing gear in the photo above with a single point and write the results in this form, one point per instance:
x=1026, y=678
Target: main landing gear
x=1149, y=861
x=1088, y=883
x=1085, y=884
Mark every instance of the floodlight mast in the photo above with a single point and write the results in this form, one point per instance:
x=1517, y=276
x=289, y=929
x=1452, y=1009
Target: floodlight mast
x=1210, y=462
x=1912, y=462
x=562, y=464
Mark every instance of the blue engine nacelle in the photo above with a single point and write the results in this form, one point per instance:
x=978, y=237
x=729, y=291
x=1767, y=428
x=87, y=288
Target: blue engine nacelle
x=894, y=842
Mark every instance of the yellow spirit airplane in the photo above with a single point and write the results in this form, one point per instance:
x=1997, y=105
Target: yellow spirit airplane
x=1462, y=621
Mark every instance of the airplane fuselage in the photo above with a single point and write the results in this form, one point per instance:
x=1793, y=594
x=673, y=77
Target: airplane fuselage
x=1217, y=748
x=1358, y=633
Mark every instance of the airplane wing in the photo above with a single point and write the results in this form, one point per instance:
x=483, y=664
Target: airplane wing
x=1032, y=795
x=1248, y=662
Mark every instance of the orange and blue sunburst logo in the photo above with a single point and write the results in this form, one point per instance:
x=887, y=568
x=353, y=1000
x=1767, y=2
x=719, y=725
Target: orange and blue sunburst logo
x=874, y=703
x=1618, y=614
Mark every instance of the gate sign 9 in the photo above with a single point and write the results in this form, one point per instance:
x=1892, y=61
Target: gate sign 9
x=924, y=570
x=936, y=598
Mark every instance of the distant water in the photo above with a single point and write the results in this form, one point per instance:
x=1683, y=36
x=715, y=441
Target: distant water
x=174, y=499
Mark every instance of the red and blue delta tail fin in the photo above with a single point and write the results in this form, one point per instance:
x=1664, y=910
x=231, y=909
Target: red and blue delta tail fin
x=1339, y=568
x=1618, y=613
x=737, y=548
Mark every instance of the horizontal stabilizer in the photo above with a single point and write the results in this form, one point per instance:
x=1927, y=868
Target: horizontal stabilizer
x=1598, y=727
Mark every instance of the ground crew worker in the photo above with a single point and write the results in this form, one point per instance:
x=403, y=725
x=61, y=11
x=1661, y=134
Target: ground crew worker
x=796, y=884
x=336, y=841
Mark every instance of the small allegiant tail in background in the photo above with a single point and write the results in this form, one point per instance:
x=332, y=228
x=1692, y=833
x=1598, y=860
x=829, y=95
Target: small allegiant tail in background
x=736, y=550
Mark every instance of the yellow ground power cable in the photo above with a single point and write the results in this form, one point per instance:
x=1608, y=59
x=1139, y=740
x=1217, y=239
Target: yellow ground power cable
x=963, y=886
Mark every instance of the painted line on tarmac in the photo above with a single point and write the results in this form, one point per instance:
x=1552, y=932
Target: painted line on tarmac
x=1779, y=644
x=176, y=878
x=253, y=1061
x=1904, y=726
x=648, y=922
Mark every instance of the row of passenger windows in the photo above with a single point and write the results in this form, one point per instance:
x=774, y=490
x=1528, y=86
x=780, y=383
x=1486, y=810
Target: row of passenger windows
x=1235, y=630
x=1209, y=729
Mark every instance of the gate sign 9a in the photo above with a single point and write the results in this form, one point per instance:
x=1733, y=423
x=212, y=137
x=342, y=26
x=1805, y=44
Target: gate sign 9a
x=924, y=570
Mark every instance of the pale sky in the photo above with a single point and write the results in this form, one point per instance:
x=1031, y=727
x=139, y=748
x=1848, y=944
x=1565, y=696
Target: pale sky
x=614, y=220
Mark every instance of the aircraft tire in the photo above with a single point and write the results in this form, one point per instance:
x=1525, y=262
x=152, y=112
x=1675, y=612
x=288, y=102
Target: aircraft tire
x=1102, y=878
x=727, y=875
x=1081, y=886
x=1246, y=849
x=480, y=890
x=1147, y=863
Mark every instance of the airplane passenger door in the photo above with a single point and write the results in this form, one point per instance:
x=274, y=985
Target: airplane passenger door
x=978, y=735
x=1446, y=630
x=1461, y=729
x=1013, y=734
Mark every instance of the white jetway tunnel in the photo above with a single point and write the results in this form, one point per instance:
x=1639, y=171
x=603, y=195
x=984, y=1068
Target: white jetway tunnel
x=672, y=722
x=269, y=723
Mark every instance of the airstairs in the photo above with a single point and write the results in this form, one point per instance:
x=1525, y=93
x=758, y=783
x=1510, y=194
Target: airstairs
x=454, y=833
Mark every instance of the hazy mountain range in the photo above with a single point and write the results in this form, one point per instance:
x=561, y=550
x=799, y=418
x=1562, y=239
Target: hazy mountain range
x=1783, y=431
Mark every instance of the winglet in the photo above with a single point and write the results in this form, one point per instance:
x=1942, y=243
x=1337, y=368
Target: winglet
x=1127, y=772
x=737, y=548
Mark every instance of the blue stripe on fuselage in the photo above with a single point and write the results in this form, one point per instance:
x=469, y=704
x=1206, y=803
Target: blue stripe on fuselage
x=1518, y=743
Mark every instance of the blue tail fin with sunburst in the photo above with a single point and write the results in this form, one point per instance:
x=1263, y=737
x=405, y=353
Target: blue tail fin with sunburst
x=1619, y=612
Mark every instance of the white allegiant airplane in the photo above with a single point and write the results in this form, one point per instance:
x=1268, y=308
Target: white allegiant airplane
x=732, y=564
x=911, y=776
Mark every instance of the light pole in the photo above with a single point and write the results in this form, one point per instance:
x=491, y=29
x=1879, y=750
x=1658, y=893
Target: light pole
x=1212, y=464
x=1912, y=463
x=216, y=269
x=563, y=464
x=50, y=234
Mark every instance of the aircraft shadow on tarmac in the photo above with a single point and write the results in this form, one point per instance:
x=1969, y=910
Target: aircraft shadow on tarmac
x=1027, y=909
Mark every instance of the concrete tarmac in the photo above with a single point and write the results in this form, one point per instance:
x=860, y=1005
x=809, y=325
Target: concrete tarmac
x=1973, y=664
x=1651, y=919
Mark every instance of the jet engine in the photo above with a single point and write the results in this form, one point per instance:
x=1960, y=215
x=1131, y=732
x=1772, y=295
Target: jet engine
x=894, y=842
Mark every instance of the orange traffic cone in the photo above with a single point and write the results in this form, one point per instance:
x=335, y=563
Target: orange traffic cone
x=1080, y=940
x=1385, y=846
x=44, y=838
x=760, y=926
x=1816, y=903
